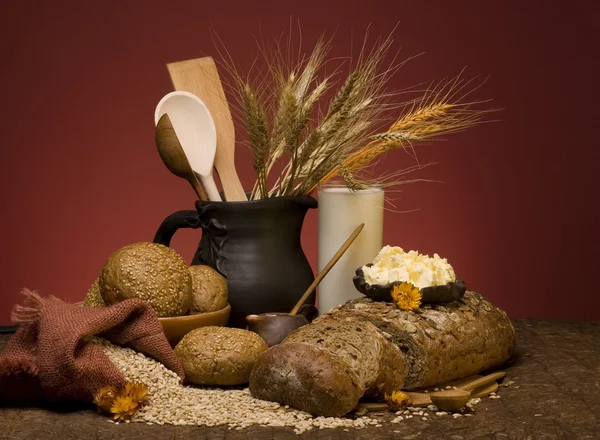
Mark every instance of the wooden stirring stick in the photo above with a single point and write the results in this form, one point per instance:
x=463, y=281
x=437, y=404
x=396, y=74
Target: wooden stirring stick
x=327, y=268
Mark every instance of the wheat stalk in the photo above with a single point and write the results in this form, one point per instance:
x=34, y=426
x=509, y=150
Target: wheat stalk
x=349, y=121
x=440, y=111
x=289, y=134
x=258, y=130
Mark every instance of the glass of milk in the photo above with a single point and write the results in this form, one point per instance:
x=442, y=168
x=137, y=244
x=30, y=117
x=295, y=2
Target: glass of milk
x=340, y=212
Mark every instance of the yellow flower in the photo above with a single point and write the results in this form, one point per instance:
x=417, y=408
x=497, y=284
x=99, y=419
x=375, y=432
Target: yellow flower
x=123, y=408
x=407, y=296
x=397, y=399
x=136, y=391
x=105, y=396
x=121, y=402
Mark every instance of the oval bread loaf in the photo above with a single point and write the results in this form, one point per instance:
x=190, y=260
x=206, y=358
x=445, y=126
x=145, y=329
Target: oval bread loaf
x=440, y=342
x=307, y=377
x=377, y=361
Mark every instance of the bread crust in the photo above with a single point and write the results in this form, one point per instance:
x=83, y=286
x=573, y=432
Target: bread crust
x=306, y=377
x=376, y=360
x=219, y=355
x=440, y=343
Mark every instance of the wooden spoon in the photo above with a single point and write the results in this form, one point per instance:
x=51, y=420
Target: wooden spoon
x=173, y=156
x=453, y=400
x=327, y=268
x=196, y=132
x=200, y=77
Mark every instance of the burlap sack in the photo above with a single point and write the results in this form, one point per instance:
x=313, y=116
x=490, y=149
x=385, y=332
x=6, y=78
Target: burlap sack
x=49, y=358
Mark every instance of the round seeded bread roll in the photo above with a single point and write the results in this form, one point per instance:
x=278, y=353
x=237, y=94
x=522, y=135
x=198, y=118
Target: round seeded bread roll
x=306, y=377
x=219, y=355
x=149, y=271
x=93, y=297
x=209, y=289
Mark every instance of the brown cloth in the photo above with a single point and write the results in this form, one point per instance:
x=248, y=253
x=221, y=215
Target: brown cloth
x=48, y=358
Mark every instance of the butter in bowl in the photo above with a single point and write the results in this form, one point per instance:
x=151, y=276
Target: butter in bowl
x=395, y=272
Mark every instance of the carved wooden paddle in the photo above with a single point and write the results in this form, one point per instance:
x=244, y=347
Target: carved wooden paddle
x=200, y=77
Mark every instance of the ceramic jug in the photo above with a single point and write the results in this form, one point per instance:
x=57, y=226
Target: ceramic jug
x=255, y=245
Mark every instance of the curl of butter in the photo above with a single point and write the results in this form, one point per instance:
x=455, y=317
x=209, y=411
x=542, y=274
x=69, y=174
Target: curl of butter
x=393, y=264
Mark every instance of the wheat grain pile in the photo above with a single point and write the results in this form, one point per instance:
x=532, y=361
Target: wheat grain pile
x=172, y=403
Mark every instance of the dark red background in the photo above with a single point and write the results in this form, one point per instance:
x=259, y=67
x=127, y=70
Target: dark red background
x=516, y=214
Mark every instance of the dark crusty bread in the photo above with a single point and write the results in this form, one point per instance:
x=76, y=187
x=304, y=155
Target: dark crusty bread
x=440, y=343
x=306, y=377
x=377, y=361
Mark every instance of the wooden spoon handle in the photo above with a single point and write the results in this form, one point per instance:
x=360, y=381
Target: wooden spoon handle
x=199, y=189
x=470, y=386
x=328, y=267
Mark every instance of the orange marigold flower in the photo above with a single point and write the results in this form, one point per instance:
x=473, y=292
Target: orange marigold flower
x=407, y=296
x=121, y=402
x=137, y=391
x=123, y=408
x=397, y=399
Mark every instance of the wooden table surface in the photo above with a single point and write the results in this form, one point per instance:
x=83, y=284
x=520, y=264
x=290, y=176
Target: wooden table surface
x=556, y=395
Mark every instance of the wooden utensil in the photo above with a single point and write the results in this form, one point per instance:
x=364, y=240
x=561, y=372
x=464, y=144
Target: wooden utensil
x=453, y=400
x=196, y=132
x=421, y=399
x=327, y=268
x=200, y=77
x=173, y=156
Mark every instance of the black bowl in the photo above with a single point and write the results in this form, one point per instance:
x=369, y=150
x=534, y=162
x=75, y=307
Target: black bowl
x=445, y=293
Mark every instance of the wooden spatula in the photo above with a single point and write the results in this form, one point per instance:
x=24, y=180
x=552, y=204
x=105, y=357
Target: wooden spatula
x=200, y=77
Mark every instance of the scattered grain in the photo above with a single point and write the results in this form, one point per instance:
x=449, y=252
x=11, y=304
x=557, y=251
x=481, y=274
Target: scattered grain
x=174, y=404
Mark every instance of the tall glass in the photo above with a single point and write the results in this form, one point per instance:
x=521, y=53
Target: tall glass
x=340, y=212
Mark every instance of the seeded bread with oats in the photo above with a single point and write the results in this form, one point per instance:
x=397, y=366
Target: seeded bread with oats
x=306, y=377
x=376, y=360
x=219, y=355
x=440, y=342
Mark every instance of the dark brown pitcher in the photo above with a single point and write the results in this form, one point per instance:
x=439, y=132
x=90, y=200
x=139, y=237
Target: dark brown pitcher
x=255, y=245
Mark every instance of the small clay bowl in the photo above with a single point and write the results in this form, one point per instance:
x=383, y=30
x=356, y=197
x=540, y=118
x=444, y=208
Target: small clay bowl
x=274, y=327
x=176, y=327
x=445, y=293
